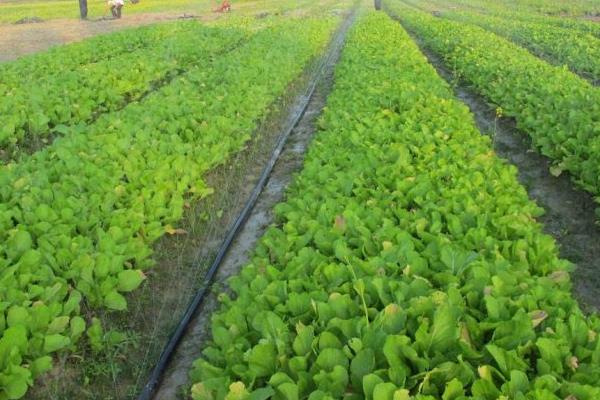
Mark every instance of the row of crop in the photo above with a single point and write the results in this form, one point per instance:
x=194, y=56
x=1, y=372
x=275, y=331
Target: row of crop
x=582, y=26
x=78, y=218
x=557, y=109
x=579, y=51
x=510, y=13
x=578, y=25
x=406, y=262
x=576, y=8
x=37, y=108
x=541, y=8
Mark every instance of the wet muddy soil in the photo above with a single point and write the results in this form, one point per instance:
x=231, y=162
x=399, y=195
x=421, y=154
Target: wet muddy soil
x=175, y=382
x=569, y=216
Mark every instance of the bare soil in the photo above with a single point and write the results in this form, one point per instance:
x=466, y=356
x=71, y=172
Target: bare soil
x=593, y=18
x=569, y=211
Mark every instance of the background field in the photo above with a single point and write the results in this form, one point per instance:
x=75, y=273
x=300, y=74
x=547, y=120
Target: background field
x=17, y=40
x=13, y=10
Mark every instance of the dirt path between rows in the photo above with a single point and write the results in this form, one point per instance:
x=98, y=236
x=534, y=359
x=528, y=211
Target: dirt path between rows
x=570, y=212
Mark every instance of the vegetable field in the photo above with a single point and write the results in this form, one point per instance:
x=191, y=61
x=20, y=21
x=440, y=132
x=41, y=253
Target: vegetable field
x=405, y=260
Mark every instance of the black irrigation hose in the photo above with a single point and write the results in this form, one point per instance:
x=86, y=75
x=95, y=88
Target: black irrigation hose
x=148, y=390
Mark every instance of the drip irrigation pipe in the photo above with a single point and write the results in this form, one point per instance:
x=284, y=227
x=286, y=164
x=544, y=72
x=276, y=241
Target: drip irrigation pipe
x=168, y=351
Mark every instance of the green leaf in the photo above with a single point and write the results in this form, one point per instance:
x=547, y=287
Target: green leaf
x=129, y=280
x=15, y=383
x=445, y=331
x=55, y=342
x=62, y=129
x=456, y=260
x=342, y=252
x=393, y=319
x=17, y=316
x=95, y=334
x=114, y=337
x=519, y=383
x=384, y=391
x=269, y=324
x=77, y=325
x=454, y=390
x=262, y=360
x=288, y=391
x=58, y=325
x=330, y=357
x=485, y=389
x=280, y=378
x=550, y=353
x=362, y=364
x=302, y=344
x=41, y=365
x=392, y=349
x=262, y=393
x=506, y=360
x=369, y=383
x=14, y=337
x=329, y=340
x=333, y=382
x=115, y=301
x=19, y=243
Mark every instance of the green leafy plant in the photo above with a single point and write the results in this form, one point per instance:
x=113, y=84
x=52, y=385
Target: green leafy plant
x=78, y=219
x=557, y=109
x=561, y=46
x=57, y=99
x=402, y=212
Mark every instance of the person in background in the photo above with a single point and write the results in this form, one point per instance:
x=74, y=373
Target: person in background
x=115, y=7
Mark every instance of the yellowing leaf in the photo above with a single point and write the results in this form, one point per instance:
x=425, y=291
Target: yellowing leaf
x=537, y=317
x=340, y=223
x=200, y=392
x=175, y=231
x=129, y=280
x=555, y=170
x=485, y=372
x=573, y=362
